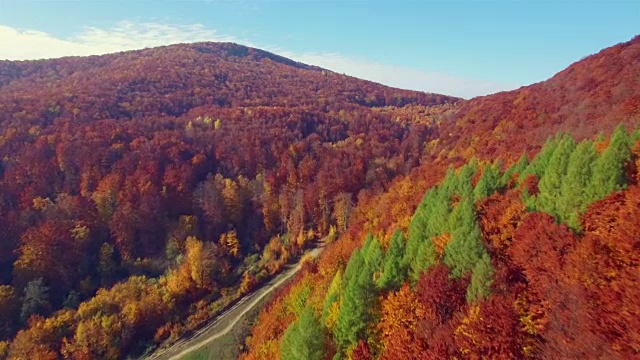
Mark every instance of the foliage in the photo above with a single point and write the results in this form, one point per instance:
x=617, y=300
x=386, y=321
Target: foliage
x=481, y=279
x=112, y=169
x=495, y=281
x=304, y=339
x=576, y=175
x=357, y=302
x=393, y=271
x=36, y=299
x=142, y=196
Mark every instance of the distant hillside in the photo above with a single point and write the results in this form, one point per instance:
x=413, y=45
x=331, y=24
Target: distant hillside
x=174, y=79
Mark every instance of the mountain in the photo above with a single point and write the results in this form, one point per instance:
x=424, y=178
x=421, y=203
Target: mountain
x=516, y=237
x=177, y=78
x=143, y=192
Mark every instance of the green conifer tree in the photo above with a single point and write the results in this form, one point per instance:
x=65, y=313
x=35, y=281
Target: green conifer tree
x=425, y=258
x=367, y=242
x=608, y=170
x=488, y=183
x=357, y=303
x=481, y=279
x=393, y=272
x=450, y=182
x=464, y=187
x=304, y=339
x=374, y=255
x=551, y=182
x=333, y=294
x=355, y=264
x=573, y=198
x=465, y=247
x=439, y=211
x=418, y=227
x=540, y=162
x=517, y=168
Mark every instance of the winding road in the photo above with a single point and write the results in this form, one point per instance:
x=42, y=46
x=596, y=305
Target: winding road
x=225, y=322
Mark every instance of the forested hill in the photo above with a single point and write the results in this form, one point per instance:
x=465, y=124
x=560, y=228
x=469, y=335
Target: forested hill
x=174, y=79
x=142, y=192
x=517, y=237
x=592, y=95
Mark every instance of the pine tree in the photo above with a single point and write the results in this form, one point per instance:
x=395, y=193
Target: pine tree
x=450, y=182
x=367, y=242
x=430, y=219
x=357, y=303
x=354, y=266
x=333, y=296
x=438, y=211
x=373, y=255
x=489, y=182
x=425, y=258
x=304, y=339
x=464, y=186
x=608, y=170
x=418, y=226
x=573, y=193
x=517, y=168
x=481, y=279
x=465, y=248
x=540, y=162
x=551, y=182
x=393, y=272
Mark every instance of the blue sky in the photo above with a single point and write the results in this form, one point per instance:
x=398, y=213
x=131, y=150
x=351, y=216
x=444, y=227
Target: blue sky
x=463, y=48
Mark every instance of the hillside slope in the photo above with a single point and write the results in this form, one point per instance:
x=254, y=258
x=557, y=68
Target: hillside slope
x=142, y=192
x=172, y=80
x=529, y=258
x=592, y=95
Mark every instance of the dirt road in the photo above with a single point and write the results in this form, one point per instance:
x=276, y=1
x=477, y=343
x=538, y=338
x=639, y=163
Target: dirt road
x=225, y=322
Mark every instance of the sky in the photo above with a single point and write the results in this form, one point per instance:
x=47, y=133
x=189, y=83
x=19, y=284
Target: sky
x=455, y=47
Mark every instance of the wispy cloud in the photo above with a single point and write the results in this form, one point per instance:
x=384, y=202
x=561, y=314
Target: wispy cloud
x=21, y=44
x=18, y=44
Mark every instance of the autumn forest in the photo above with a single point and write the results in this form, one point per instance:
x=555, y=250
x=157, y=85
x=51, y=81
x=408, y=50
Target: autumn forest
x=142, y=193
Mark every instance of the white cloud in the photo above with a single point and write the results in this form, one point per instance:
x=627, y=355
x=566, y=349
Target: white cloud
x=16, y=44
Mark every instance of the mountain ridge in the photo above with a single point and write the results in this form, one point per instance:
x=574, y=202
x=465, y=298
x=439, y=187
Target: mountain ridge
x=601, y=87
x=191, y=75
